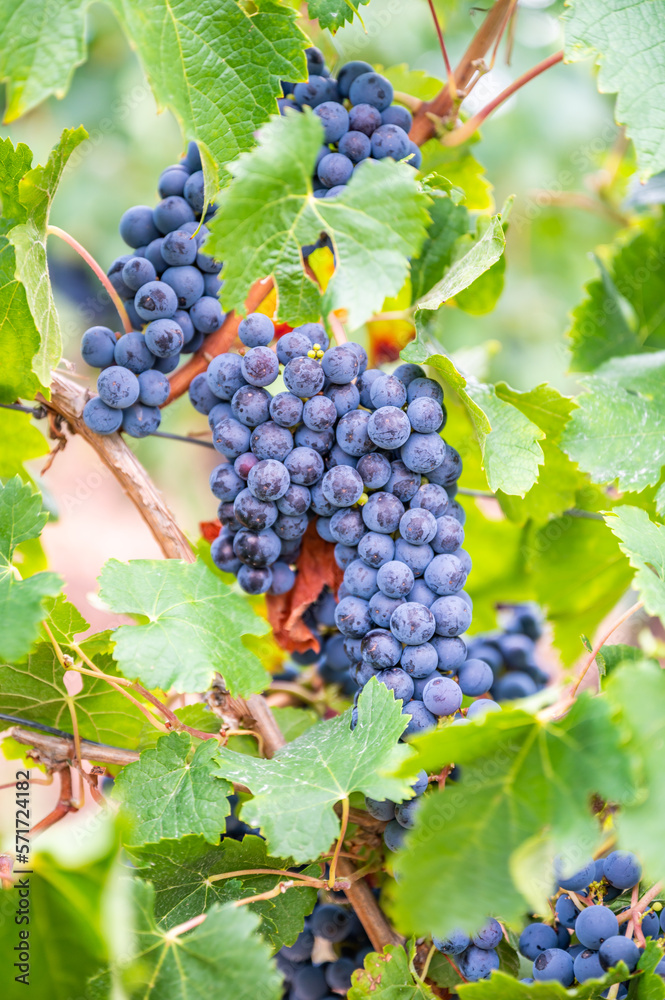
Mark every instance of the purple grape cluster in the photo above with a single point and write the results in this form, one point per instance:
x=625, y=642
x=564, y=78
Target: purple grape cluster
x=170, y=289
x=359, y=119
x=586, y=938
x=338, y=928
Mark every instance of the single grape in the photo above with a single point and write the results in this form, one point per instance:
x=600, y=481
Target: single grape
x=260, y=366
x=304, y=377
x=425, y=415
x=348, y=73
x=344, y=555
x=114, y=275
x=312, y=93
x=139, y=421
x=586, y=965
x=374, y=470
x=412, y=624
x=371, y=88
x=359, y=578
x=566, y=911
x=390, y=140
x=449, y=535
x=389, y=427
x=452, y=616
x=482, y=707
x=206, y=314
x=253, y=513
x=445, y=575
x=382, y=607
x=290, y=528
x=251, y=405
x=178, y=248
x=269, y=440
x=200, y=395
x=380, y=649
x=594, y=924
x=622, y=869
x=223, y=556
x=170, y=214
x=187, y=282
x=424, y=387
x=554, y=964
x=489, y=936
x=320, y=441
x=268, y=480
x=335, y=169
x=293, y=345
x=342, y=486
x=376, y=549
x=419, y=661
x=451, y=652
x=395, y=579
x=382, y=512
x=334, y=118
x=163, y=338
x=230, y=437
x=257, y=549
x=100, y=418
x=138, y=271
x=137, y=226
x=347, y=527
x=351, y=433
x=304, y=465
x=155, y=300
x=456, y=942
x=98, y=346
x=417, y=526
x=356, y=145
x=319, y=413
x=421, y=594
x=336, y=456
x=154, y=388
x=578, y=878
x=225, y=483
x=286, y=409
x=393, y=835
x=618, y=949
x=352, y=617
x=316, y=335
x=364, y=118
x=132, y=352
x=194, y=191
x=396, y=115
x=423, y=452
x=118, y=387
x=172, y=180
x=383, y=810
x=295, y=500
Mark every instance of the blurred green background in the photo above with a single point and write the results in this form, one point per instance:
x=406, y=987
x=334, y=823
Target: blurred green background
x=555, y=136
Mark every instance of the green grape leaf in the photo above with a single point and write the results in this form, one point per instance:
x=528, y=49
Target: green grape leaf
x=268, y=212
x=170, y=792
x=28, y=238
x=19, y=336
x=64, y=621
x=459, y=166
x=602, y=327
x=67, y=927
x=644, y=544
x=450, y=221
x=223, y=957
x=499, y=986
x=194, y=624
x=579, y=573
x=21, y=439
x=467, y=268
x=35, y=689
x=333, y=14
x=293, y=722
x=618, y=430
x=638, y=692
x=504, y=577
x=523, y=794
x=416, y=82
x=387, y=976
x=559, y=479
x=218, y=68
x=183, y=874
x=21, y=601
x=295, y=791
x=198, y=716
x=650, y=986
x=611, y=657
x=622, y=37
x=508, y=439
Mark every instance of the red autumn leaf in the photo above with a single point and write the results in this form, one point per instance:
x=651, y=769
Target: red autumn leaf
x=210, y=529
x=316, y=569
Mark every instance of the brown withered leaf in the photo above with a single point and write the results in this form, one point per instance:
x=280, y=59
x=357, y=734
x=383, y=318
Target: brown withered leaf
x=210, y=529
x=316, y=569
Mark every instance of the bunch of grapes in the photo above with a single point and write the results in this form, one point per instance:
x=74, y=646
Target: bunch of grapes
x=372, y=127
x=588, y=935
x=336, y=932
x=170, y=290
x=511, y=653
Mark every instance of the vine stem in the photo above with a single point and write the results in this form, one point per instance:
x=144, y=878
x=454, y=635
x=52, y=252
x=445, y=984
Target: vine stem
x=340, y=841
x=315, y=882
x=425, y=968
x=601, y=642
x=465, y=131
x=444, y=52
x=338, y=329
x=440, y=107
x=99, y=271
x=64, y=805
x=646, y=899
